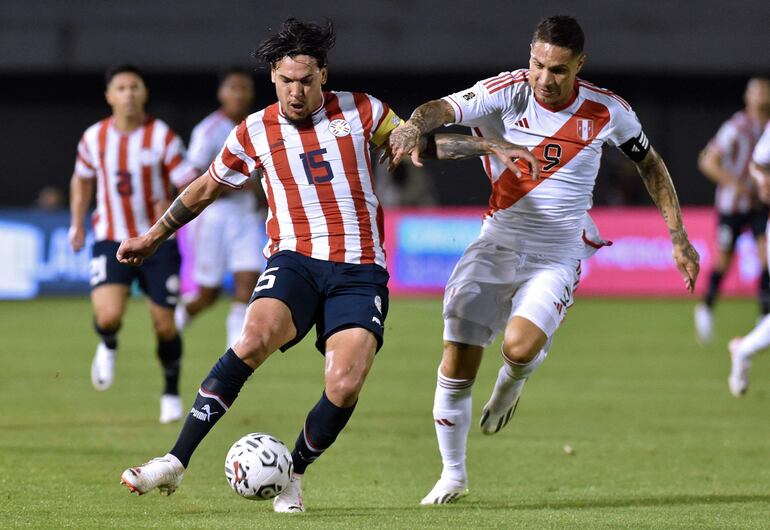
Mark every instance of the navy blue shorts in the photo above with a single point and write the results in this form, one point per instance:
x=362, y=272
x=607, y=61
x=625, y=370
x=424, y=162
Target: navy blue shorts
x=158, y=276
x=731, y=226
x=332, y=296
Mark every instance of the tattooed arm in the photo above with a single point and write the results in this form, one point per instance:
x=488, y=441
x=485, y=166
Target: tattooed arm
x=660, y=187
x=186, y=207
x=405, y=140
x=461, y=146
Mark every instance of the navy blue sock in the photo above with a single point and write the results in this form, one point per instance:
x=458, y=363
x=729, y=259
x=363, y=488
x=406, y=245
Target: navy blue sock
x=170, y=355
x=216, y=394
x=764, y=292
x=324, y=422
x=109, y=336
x=714, y=282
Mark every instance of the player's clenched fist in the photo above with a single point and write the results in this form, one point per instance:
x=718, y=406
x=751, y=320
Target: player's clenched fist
x=133, y=251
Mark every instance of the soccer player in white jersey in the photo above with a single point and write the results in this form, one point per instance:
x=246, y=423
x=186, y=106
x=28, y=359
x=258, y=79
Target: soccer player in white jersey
x=226, y=235
x=520, y=274
x=742, y=349
x=725, y=161
x=132, y=161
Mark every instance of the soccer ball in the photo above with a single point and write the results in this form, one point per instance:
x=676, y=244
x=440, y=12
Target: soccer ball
x=258, y=466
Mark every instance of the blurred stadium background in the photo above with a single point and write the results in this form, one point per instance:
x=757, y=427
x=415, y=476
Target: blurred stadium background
x=670, y=457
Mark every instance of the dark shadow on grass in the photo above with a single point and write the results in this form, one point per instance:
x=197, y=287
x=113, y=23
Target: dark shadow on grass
x=576, y=504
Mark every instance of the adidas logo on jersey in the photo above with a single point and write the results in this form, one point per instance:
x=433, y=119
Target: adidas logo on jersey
x=523, y=123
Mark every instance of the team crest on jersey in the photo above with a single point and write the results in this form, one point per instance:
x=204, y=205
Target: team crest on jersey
x=339, y=128
x=148, y=157
x=585, y=129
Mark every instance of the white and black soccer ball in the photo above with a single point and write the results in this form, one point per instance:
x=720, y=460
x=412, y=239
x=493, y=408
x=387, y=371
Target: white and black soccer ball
x=258, y=466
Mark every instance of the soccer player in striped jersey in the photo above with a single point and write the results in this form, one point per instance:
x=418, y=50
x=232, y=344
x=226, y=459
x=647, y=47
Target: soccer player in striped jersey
x=326, y=259
x=743, y=349
x=132, y=161
x=725, y=161
x=520, y=274
x=226, y=235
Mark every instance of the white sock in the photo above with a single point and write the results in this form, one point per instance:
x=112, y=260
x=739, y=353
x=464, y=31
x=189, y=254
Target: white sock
x=181, y=316
x=452, y=417
x=758, y=339
x=235, y=319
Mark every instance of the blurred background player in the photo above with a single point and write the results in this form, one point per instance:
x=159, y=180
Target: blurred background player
x=226, y=235
x=742, y=349
x=520, y=274
x=725, y=161
x=132, y=160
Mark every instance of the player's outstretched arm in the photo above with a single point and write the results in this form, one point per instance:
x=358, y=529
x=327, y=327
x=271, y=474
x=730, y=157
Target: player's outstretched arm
x=405, y=140
x=462, y=146
x=659, y=185
x=81, y=193
x=186, y=207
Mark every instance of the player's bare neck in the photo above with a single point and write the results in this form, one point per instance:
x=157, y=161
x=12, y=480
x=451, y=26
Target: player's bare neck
x=128, y=123
x=235, y=117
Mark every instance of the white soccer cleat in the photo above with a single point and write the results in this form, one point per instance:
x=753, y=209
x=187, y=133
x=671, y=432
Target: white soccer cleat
x=704, y=324
x=502, y=405
x=164, y=473
x=738, y=381
x=181, y=316
x=170, y=408
x=290, y=499
x=103, y=367
x=445, y=492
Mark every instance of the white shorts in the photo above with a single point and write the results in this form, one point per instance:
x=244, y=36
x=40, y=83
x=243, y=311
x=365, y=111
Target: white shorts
x=491, y=284
x=226, y=237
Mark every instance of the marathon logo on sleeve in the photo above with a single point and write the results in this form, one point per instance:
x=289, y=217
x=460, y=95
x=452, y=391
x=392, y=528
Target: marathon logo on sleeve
x=469, y=95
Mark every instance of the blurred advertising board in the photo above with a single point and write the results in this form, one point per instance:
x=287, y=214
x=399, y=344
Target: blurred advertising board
x=423, y=246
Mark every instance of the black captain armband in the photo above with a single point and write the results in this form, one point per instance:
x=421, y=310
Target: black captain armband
x=636, y=148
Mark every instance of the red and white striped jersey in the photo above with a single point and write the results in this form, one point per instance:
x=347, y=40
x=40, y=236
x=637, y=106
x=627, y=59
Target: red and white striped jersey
x=761, y=154
x=134, y=174
x=544, y=216
x=735, y=143
x=318, y=177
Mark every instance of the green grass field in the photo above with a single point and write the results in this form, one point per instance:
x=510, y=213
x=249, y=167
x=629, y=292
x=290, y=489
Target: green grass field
x=658, y=441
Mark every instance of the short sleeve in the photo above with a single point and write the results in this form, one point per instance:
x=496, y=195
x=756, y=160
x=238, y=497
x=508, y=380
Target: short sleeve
x=175, y=165
x=761, y=155
x=725, y=139
x=624, y=125
x=237, y=160
x=201, y=152
x=85, y=166
x=385, y=122
x=490, y=96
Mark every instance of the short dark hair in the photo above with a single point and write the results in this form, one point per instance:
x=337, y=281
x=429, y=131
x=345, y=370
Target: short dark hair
x=297, y=38
x=234, y=70
x=560, y=30
x=112, y=71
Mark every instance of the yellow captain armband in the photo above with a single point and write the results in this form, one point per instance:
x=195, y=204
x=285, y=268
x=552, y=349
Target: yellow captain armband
x=390, y=122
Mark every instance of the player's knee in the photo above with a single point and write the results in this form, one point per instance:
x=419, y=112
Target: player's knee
x=460, y=361
x=107, y=321
x=519, y=348
x=343, y=390
x=165, y=329
x=257, y=339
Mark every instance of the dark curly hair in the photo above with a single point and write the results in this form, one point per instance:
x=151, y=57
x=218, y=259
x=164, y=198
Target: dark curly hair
x=561, y=30
x=297, y=38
